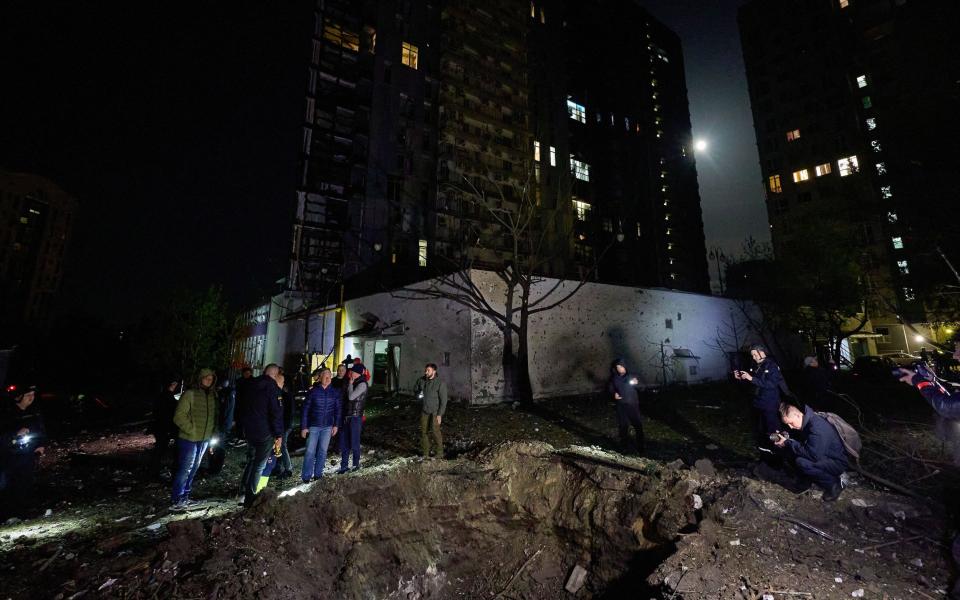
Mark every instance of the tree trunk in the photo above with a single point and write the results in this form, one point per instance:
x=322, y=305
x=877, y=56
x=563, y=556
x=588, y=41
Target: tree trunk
x=523, y=384
x=509, y=360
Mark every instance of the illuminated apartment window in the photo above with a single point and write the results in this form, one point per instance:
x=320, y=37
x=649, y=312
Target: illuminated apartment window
x=871, y=123
x=553, y=156
x=892, y=217
x=886, y=191
x=543, y=16
x=581, y=209
x=801, y=175
x=670, y=246
x=844, y=3
x=344, y=38
x=861, y=81
x=774, y=184
x=533, y=11
x=536, y=172
x=793, y=135
x=409, y=55
x=669, y=231
x=666, y=217
x=639, y=230
x=577, y=112
x=824, y=169
x=608, y=225
x=897, y=243
x=867, y=102
x=848, y=165
x=909, y=295
x=536, y=150
x=875, y=146
x=904, y=267
x=422, y=253
x=881, y=168
x=580, y=169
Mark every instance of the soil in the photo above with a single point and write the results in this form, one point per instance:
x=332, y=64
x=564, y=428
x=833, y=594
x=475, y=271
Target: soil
x=526, y=495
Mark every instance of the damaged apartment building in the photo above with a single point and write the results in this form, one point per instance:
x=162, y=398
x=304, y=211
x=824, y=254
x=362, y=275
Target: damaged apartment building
x=429, y=122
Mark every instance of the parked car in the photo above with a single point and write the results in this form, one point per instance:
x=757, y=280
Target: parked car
x=873, y=367
x=901, y=359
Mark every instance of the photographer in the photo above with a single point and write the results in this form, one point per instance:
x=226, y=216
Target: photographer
x=818, y=452
x=768, y=381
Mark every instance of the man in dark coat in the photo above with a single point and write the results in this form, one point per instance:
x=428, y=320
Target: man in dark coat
x=432, y=393
x=817, y=451
x=163, y=428
x=623, y=388
x=243, y=392
x=22, y=440
x=768, y=382
x=261, y=418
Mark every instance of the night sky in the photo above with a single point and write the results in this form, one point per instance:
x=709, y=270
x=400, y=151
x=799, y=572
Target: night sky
x=178, y=131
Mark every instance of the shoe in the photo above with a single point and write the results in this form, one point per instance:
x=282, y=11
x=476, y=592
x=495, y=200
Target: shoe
x=342, y=471
x=831, y=494
x=179, y=506
x=302, y=480
x=356, y=468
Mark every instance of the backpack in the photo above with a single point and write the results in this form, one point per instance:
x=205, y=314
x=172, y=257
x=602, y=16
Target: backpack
x=848, y=435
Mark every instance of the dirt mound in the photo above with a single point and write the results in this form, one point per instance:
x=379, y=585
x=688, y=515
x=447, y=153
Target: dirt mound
x=516, y=519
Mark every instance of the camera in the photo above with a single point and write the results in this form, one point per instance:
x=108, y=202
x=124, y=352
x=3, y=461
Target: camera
x=776, y=435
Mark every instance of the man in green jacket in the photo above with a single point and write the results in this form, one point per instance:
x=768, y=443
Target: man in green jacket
x=196, y=419
x=432, y=391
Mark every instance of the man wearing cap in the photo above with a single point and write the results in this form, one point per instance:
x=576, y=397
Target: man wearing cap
x=22, y=439
x=432, y=392
x=768, y=382
x=352, y=421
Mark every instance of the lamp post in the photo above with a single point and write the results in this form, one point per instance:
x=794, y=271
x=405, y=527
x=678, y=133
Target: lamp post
x=716, y=254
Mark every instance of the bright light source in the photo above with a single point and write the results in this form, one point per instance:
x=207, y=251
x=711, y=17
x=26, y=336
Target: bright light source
x=918, y=338
x=700, y=145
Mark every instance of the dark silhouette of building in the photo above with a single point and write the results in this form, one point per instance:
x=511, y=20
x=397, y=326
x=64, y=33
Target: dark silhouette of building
x=409, y=101
x=36, y=222
x=855, y=109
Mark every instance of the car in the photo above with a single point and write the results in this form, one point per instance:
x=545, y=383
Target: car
x=873, y=367
x=901, y=359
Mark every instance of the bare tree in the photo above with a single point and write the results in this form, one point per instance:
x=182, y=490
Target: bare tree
x=531, y=242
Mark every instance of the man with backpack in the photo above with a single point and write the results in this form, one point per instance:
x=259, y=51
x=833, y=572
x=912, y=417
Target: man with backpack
x=818, y=451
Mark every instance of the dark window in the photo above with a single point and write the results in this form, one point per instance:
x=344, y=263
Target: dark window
x=668, y=323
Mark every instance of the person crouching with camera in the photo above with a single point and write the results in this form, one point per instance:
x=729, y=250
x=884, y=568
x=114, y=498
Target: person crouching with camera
x=817, y=450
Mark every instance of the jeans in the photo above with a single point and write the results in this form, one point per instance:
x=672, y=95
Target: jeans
x=315, y=456
x=427, y=419
x=627, y=415
x=258, y=451
x=189, y=455
x=285, y=465
x=350, y=442
x=825, y=473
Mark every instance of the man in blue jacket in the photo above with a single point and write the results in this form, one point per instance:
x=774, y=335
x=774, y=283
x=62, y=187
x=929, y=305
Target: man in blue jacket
x=262, y=423
x=318, y=423
x=818, y=452
x=768, y=382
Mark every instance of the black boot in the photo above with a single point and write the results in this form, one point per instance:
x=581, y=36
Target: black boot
x=833, y=492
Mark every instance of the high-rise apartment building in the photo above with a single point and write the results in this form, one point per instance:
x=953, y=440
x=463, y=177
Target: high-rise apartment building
x=413, y=104
x=36, y=223
x=855, y=109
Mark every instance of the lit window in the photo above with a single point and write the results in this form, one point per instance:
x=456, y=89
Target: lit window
x=886, y=191
x=669, y=231
x=580, y=169
x=341, y=37
x=670, y=246
x=666, y=217
x=533, y=11
x=774, y=183
x=576, y=111
x=909, y=295
x=844, y=3
x=599, y=118
x=543, y=16
x=904, y=267
x=639, y=230
x=824, y=169
x=881, y=168
x=422, y=253
x=536, y=173
x=793, y=135
x=848, y=166
x=626, y=122
x=867, y=102
x=892, y=217
x=608, y=225
x=897, y=243
x=409, y=55
x=536, y=150
x=861, y=81
x=553, y=156
x=581, y=209
x=801, y=175
x=871, y=123
x=875, y=146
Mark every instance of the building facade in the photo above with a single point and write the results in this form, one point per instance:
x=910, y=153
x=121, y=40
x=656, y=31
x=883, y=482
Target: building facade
x=36, y=223
x=854, y=105
x=425, y=120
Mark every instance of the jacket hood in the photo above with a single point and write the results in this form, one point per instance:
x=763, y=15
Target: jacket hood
x=203, y=373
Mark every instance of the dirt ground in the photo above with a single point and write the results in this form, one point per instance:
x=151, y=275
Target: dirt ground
x=526, y=495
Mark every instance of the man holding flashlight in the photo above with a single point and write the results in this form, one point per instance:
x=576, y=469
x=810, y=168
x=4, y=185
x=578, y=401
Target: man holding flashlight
x=768, y=383
x=432, y=392
x=22, y=441
x=623, y=387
